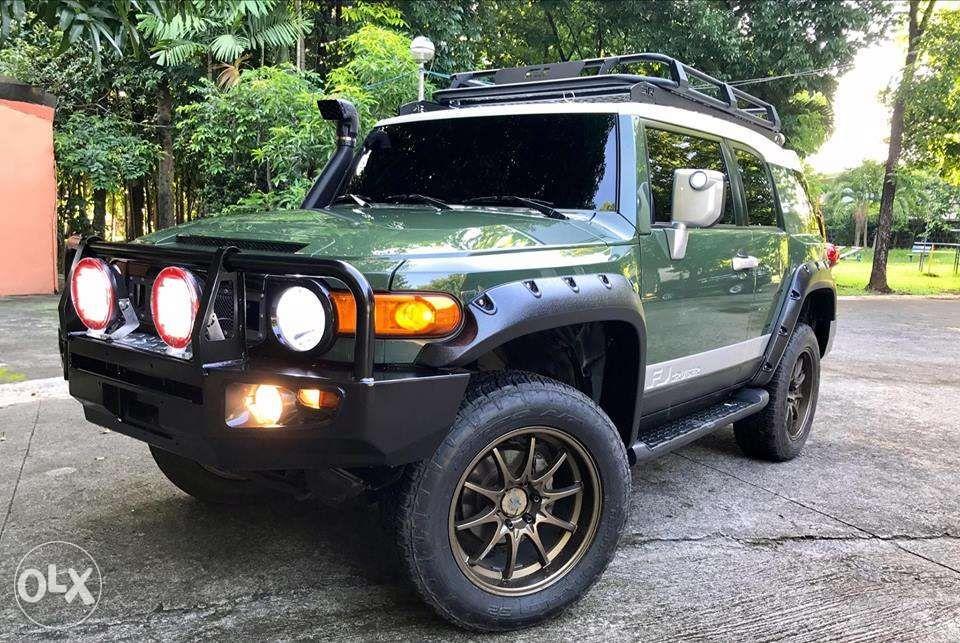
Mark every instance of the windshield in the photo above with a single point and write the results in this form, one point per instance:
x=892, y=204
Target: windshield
x=564, y=160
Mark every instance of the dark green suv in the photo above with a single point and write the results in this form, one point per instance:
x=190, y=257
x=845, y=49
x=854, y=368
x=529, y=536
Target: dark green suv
x=482, y=316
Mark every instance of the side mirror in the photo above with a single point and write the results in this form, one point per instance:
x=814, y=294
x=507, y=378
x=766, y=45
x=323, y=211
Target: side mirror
x=697, y=203
x=697, y=197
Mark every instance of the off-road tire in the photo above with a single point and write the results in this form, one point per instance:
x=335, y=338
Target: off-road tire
x=203, y=484
x=495, y=405
x=766, y=435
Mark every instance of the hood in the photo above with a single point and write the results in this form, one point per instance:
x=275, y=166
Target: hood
x=381, y=234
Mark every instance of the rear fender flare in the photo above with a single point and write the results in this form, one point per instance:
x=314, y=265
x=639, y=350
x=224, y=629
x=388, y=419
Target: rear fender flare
x=807, y=278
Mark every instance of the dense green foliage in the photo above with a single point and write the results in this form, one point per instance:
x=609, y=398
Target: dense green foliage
x=922, y=206
x=932, y=134
x=730, y=39
x=217, y=97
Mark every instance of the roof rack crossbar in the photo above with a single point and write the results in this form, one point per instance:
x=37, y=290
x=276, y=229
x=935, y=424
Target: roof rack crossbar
x=596, y=77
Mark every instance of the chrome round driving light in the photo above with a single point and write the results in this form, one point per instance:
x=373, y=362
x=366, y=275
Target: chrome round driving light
x=299, y=318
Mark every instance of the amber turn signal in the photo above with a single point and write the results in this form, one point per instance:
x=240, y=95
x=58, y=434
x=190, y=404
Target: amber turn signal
x=402, y=314
x=315, y=398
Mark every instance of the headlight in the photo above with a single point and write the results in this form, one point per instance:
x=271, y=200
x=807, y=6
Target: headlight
x=299, y=318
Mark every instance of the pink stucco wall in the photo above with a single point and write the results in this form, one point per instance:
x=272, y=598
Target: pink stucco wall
x=28, y=199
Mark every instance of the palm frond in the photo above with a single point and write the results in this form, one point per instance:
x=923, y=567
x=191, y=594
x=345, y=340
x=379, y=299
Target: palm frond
x=173, y=53
x=228, y=46
x=277, y=31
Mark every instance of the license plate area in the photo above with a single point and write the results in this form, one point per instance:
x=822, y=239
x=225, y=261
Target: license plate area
x=131, y=409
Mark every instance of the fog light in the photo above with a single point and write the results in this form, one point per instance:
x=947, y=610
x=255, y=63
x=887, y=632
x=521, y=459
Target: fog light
x=315, y=398
x=259, y=405
x=266, y=405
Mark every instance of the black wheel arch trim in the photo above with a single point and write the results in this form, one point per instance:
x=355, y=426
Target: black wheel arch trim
x=519, y=308
x=808, y=278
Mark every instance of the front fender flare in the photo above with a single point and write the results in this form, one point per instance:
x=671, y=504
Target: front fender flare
x=518, y=308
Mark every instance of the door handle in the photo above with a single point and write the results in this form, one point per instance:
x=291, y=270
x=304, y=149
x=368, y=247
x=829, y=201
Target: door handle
x=741, y=262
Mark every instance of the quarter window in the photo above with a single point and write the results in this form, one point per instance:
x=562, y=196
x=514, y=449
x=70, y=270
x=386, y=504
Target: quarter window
x=798, y=215
x=757, y=189
x=669, y=151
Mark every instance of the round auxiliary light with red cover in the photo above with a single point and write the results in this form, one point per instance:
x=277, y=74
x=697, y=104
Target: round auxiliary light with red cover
x=93, y=293
x=174, y=302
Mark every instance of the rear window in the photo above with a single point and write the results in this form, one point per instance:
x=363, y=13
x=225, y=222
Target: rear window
x=566, y=160
x=798, y=214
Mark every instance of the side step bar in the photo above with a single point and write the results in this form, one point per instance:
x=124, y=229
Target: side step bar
x=685, y=430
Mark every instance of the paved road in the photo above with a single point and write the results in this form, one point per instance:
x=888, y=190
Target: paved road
x=859, y=538
x=28, y=338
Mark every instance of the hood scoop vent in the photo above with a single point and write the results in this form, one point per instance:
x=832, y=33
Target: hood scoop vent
x=243, y=244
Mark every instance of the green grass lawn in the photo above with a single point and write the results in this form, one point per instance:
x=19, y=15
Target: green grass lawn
x=903, y=274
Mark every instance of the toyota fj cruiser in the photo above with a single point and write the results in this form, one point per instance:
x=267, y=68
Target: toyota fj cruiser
x=485, y=314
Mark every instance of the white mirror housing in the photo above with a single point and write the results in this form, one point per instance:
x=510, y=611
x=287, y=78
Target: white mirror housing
x=697, y=197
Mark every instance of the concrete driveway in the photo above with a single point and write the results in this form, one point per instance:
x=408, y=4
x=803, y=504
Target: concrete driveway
x=857, y=539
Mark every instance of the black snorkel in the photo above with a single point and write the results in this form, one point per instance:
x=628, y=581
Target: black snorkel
x=325, y=188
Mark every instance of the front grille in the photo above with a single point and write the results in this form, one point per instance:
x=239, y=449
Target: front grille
x=223, y=314
x=243, y=244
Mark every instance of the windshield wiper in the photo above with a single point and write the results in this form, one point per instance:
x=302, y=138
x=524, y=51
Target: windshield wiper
x=418, y=198
x=356, y=198
x=542, y=207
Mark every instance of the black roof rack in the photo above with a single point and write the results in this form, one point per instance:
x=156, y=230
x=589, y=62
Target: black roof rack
x=603, y=79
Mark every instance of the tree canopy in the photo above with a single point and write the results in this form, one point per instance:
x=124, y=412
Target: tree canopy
x=212, y=102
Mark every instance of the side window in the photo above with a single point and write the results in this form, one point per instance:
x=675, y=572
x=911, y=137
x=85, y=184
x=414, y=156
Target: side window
x=798, y=215
x=669, y=151
x=757, y=189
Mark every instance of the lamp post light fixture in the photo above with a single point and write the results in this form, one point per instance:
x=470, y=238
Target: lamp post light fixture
x=422, y=50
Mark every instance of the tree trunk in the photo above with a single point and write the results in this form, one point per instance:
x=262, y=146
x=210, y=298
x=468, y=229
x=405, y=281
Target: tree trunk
x=99, y=211
x=301, y=43
x=878, y=273
x=165, y=213
x=150, y=223
x=135, y=188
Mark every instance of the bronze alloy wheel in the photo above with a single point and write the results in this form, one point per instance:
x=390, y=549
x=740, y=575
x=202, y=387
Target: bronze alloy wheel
x=798, y=395
x=525, y=511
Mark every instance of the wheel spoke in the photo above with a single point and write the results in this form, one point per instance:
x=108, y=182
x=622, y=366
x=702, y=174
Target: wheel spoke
x=489, y=494
x=801, y=376
x=531, y=456
x=508, y=477
x=797, y=368
x=550, y=519
x=480, y=519
x=551, y=471
x=513, y=541
x=494, y=539
x=552, y=495
x=534, y=537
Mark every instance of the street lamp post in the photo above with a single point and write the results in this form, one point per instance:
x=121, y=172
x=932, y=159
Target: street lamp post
x=422, y=51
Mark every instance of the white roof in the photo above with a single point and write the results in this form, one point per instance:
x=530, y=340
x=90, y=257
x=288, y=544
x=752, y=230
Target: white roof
x=772, y=152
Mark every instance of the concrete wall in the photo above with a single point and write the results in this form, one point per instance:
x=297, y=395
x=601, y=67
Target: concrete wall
x=28, y=199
